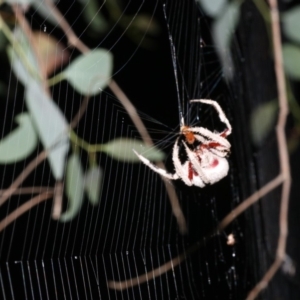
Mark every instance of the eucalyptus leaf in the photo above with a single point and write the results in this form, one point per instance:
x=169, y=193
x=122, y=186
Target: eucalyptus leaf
x=121, y=149
x=145, y=23
x=291, y=23
x=92, y=14
x=222, y=32
x=212, y=7
x=262, y=121
x=90, y=73
x=39, y=5
x=51, y=126
x=25, y=67
x=93, y=184
x=74, y=188
x=19, y=143
x=291, y=60
x=43, y=10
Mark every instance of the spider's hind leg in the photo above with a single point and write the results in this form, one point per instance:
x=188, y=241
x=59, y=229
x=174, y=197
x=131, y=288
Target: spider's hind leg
x=156, y=169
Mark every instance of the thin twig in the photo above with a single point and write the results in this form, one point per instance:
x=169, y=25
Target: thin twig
x=67, y=29
x=222, y=225
x=283, y=177
x=176, y=209
x=80, y=112
x=23, y=208
x=5, y=194
x=248, y=202
x=58, y=200
x=126, y=284
x=28, y=32
x=77, y=43
x=283, y=154
x=30, y=190
x=19, y=180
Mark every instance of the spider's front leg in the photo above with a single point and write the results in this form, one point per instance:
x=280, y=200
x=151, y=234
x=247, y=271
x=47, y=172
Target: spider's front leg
x=220, y=112
x=153, y=167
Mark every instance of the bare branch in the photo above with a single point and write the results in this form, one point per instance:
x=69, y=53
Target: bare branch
x=126, y=284
x=177, y=212
x=283, y=154
x=80, y=112
x=76, y=42
x=119, y=285
x=23, y=208
x=19, y=180
x=71, y=36
x=248, y=202
x=30, y=190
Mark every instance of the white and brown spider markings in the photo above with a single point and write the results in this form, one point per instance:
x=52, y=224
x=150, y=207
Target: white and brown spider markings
x=207, y=162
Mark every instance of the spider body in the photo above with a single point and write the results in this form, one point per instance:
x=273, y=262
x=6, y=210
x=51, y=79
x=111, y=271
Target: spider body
x=206, y=163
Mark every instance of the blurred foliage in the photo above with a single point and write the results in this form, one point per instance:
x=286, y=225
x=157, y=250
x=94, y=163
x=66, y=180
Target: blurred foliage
x=225, y=15
x=33, y=60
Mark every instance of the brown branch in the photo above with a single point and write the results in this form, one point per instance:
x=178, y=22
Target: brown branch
x=119, y=285
x=77, y=43
x=126, y=284
x=80, y=112
x=71, y=36
x=30, y=190
x=177, y=212
x=58, y=200
x=283, y=154
x=248, y=202
x=23, y=208
x=19, y=180
x=28, y=32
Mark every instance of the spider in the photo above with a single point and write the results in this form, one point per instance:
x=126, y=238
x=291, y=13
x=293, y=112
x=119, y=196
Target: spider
x=207, y=162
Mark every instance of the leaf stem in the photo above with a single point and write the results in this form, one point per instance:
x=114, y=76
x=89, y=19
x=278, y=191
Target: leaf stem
x=83, y=144
x=56, y=79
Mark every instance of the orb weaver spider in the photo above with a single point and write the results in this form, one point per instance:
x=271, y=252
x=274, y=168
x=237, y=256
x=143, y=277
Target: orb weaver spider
x=207, y=162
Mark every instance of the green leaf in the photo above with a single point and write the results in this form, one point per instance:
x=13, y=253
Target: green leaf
x=291, y=23
x=92, y=14
x=90, y=73
x=291, y=60
x=20, y=143
x=93, y=184
x=222, y=32
x=42, y=9
x=121, y=149
x=145, y=23
x=39, y=6
x=262, y=121
x=48, y=120
x=26, y=67
x=212, y=7
x=51, y=126
x=74, y=188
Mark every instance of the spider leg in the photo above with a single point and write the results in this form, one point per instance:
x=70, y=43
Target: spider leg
x=153, y=167
x=220, y=112
x=195, y=162
x=206, y=135
x=182, y=172
x=216, y=147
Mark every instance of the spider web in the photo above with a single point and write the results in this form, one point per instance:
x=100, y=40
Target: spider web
x=132, y=230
